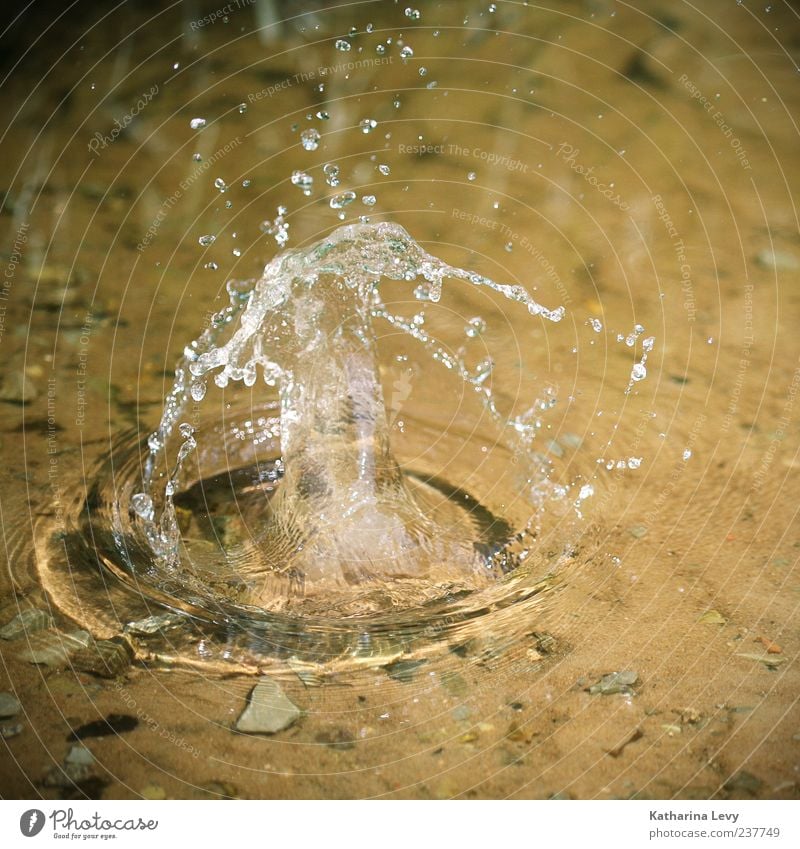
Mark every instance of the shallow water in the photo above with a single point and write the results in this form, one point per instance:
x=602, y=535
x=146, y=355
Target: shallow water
x=633, y=166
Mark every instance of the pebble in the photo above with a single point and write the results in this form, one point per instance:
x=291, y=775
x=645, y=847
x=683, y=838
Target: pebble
x=268, y=710
x=79, y=756
x=7, y=731
x=53, y=648
x=9, y=705
x=153, y=792
x=104, y=658
x=18, y=388
x=779, y=260
x=615, y=682
x=712, y=617
x=744, y=780
x=28, y=622
x=339, y=739
x=638, y=531
x=461, y=713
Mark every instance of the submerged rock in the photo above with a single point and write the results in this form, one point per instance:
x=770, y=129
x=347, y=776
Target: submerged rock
x=54, y=648
x=9, y=705
x=614, y=682
x=18, y=388
x=268, y=710
x=105, y=658
x=26, y=622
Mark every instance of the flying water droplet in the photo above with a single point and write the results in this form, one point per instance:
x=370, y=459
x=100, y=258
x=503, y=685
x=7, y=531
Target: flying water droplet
x=342, y=45
x=331, y=172
x=475, y=327
x=367, y=125
x=341, y=200
x=303, y=181
x=206, y=241
x=310, y=139
x=197, y=123
x=406, y=53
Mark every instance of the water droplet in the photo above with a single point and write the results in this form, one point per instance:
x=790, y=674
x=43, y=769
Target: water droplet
x=142, y=505
x=342, y=45
x=475, y=326
x=331, y=172
x=310, y=139
x=246, y=184
x=406, y=53
x=638, y=372
x=385, y=170
x=369, y=200
x=205, y=241
x=380, y=49
x=482, y=371
x=196, y=157
x=242, y=107
x=432, y=84
x=175, y=66
x=414, y=14
x=492, y=7
x=634, y=462
x=472, y=176
x=303, y=181
x=211, y=266
x=687, y=453
x=198, y=390
x=341, y=200
x=367, y=125
x=323, y=116
x=219, y=183
x=369, y=27
x=423, y=71
x=197, y=123
x=597, y=325
x=508, y=247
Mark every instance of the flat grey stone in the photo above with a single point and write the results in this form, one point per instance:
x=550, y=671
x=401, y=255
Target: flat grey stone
x=9, y=705
x=268, y=710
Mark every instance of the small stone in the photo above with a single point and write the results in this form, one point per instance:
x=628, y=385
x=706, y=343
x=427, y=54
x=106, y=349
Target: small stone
x=268, y=710
x=27, y=622
x=403, y=670
x=153, y=792
x=18, y=389
x=614, y=682
x=104, y=658
x=455, y=684
x=771, y=661
x=221, y=789
x=637, y=531
x=461, y=713
x=339, y=739
x=9, y=705
x=54, y=648
x=745, y=781
x=712, y=617
x=778, y=260
x=79, y=756
x=8, y=731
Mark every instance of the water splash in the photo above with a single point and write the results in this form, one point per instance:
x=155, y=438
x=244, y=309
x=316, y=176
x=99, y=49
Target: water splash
x=336, y=512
